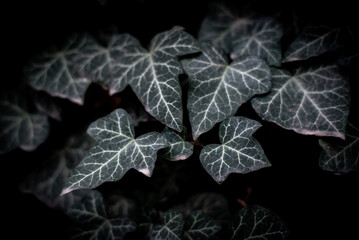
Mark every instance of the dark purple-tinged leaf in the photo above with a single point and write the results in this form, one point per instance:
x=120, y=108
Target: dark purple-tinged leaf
x=92, y=222
x=18, y=126
x=117, y=151
x=178, y=148
x=341, y=156
x=238, y=152
x=218, y=88
x=170, y=229
x=261, y=38
x=153, y=74
x=55, y=71
x=198, y=226
x=312, y=101
x=314, y=41
x=255, y=222
x=47, y=182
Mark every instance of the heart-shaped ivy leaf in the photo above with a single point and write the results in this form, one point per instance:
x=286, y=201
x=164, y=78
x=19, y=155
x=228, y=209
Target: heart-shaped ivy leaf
x=55, y=71
x=178, y=148
x=260, y=38
x=198, y=226
x=342, y=156
x=312, y=101
x=256, y=222
x=92, y=221
x=314, y=41
x=217, y=88
x=116, y=152
x=153, y=74
x=238, y=152
x=19, y=127
x=171, y=227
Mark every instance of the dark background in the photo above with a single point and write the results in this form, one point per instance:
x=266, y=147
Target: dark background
x=314, y=204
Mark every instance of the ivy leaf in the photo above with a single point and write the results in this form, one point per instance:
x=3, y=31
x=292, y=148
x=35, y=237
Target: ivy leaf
x=221, y=27
x=178, y=148
x=262, y=39
x=19, y=127
x=312, y=101
x=256, y=222
x=199, y=226
x=341, y=157
x=238, y=152
x=171, y=228
x=55, y=71
x=153, y=74
x=92, y=222
x=47, y=182
x=314, y=41
x=217, y=88
x=116, y=152
x=47, y=105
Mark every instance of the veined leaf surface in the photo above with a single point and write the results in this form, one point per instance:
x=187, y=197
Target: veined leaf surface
x=171, y=227
x=261, y=39
x=256, y=222
x=312, y=101
x=92, y=222
x=198, y=226
x=55, y=71
x=18, y=127
x=116, y=152
x=153, y=74
x=178, y=148
x=238, y=152
x=314, y=41
x=217, y=88
x=341, y=157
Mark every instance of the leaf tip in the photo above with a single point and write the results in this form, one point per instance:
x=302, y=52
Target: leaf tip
x=66, y=191
x=145, y=171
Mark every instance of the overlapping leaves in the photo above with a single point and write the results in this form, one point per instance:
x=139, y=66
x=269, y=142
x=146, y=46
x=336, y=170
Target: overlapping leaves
x=238, y=152
x=116, y=152
x=218, y=88
x=178, y=148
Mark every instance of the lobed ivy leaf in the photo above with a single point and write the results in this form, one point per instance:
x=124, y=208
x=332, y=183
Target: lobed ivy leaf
x=55, y=71
x=116, y=152
x=341, y=157
x=178, y=148
x=198, y=226
x=18, y=126
x=312, y=101
x=171, y=227
x=314, y=41
x=221, y=27
x=261, y=39
x=92, y=221
x=217, y=88
x=256, y=222
x=47, y=182
x=153, y=74
x=238, y=152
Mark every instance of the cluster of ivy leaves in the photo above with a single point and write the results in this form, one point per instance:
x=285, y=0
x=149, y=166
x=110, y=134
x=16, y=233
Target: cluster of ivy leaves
x=235, y=60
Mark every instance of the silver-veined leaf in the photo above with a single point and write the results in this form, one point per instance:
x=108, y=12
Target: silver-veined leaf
x=92, y=222
x=314, y=41
x=218, y=88
x=221, y=27
x=55, y=71
x=19, y=127
x=47, y=182
x=238, y=152
x=178, y=148
x=261, y=39
x=198, y=226
x=170, y=229
x=312, y=101
x=341, y=157
x=153, y=74
x=116, y=152
x=256, y=222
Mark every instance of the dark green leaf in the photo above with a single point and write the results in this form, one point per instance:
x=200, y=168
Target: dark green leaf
x=178, y=148
x=199, y=226
x=171, y=229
